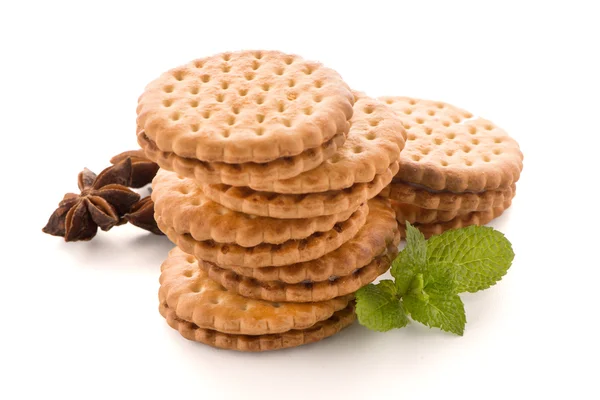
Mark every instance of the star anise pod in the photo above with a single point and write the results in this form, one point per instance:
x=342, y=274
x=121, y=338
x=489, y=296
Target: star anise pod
x=142, y=216
x=103, y=201
x=144, y=170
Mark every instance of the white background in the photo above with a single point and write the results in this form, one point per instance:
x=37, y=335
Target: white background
x=80, y=320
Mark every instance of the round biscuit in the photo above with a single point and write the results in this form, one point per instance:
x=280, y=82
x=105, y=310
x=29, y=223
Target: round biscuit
x=242, y=174
x=418, y=215
x=194, y=297
x=301, y=292
x=245, y=106
x=449, y=149
x=255, y=343
x=265, y=254
x=277, y=205
x=448, y=201
x=461, y=221
x=180, y=204
x=372, y=240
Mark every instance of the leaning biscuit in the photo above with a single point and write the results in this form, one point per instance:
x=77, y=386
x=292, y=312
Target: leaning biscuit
x=374, y=142
x=193, y=296
x=254, y=343
x=276, y=205
x=242, y=174
x=246, y=106
x=374, y=239
x=263, y=255
x=180, y=204
x=450, y=149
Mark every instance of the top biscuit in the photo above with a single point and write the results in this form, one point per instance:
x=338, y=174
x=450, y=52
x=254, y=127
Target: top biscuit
x=449, y=149
x=247, y=106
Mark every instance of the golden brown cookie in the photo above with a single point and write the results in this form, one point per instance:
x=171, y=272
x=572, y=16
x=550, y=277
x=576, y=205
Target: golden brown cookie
x=300, y=292
x=246, y=106
x=275, y=205
x=414, y=214
x=374, y=142
x=417, y=215
x=293, y=338
x=264, y=255
x=450, y=149
x=461, y=221
x=180, y=204
x=194, y=297
x=374, y=238
x=243, y=174
x=447, y=201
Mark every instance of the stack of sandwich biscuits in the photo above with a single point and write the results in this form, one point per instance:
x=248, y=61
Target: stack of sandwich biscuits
x=455, y=170
x=271, y=167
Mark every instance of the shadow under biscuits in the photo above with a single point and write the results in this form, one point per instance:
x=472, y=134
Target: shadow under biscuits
x=112, y=250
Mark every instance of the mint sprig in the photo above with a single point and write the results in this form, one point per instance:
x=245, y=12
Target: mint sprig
x=379, y=307
x=430, y=274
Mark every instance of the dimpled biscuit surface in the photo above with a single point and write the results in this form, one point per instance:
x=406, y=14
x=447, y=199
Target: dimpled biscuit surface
x=247, y=106
x=449, y=149
x=374, y=142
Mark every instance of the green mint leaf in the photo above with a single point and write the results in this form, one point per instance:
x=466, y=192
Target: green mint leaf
x=387, y=285
x=403, y=272
x=446, y=312
x=416, y=245
x=418, y=283
x=478, y=256
x=411, y=260
x=379, y=310
x=417, y=288
x=440, y=280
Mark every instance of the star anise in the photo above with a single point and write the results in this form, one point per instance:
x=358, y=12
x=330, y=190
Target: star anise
x=103, y=201
x=144, y=170
x=142, y=215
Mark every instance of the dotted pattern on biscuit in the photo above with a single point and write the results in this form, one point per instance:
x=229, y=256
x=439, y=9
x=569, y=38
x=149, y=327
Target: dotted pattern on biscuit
x=447, y=201
x=448, y=149
x=194, y=297
x=180, y=204
x=275, y=205
x=374, y=142
x=265, y=255
x=379, y=232
x=243, y=174
x=246, y=106
x=256, y=343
